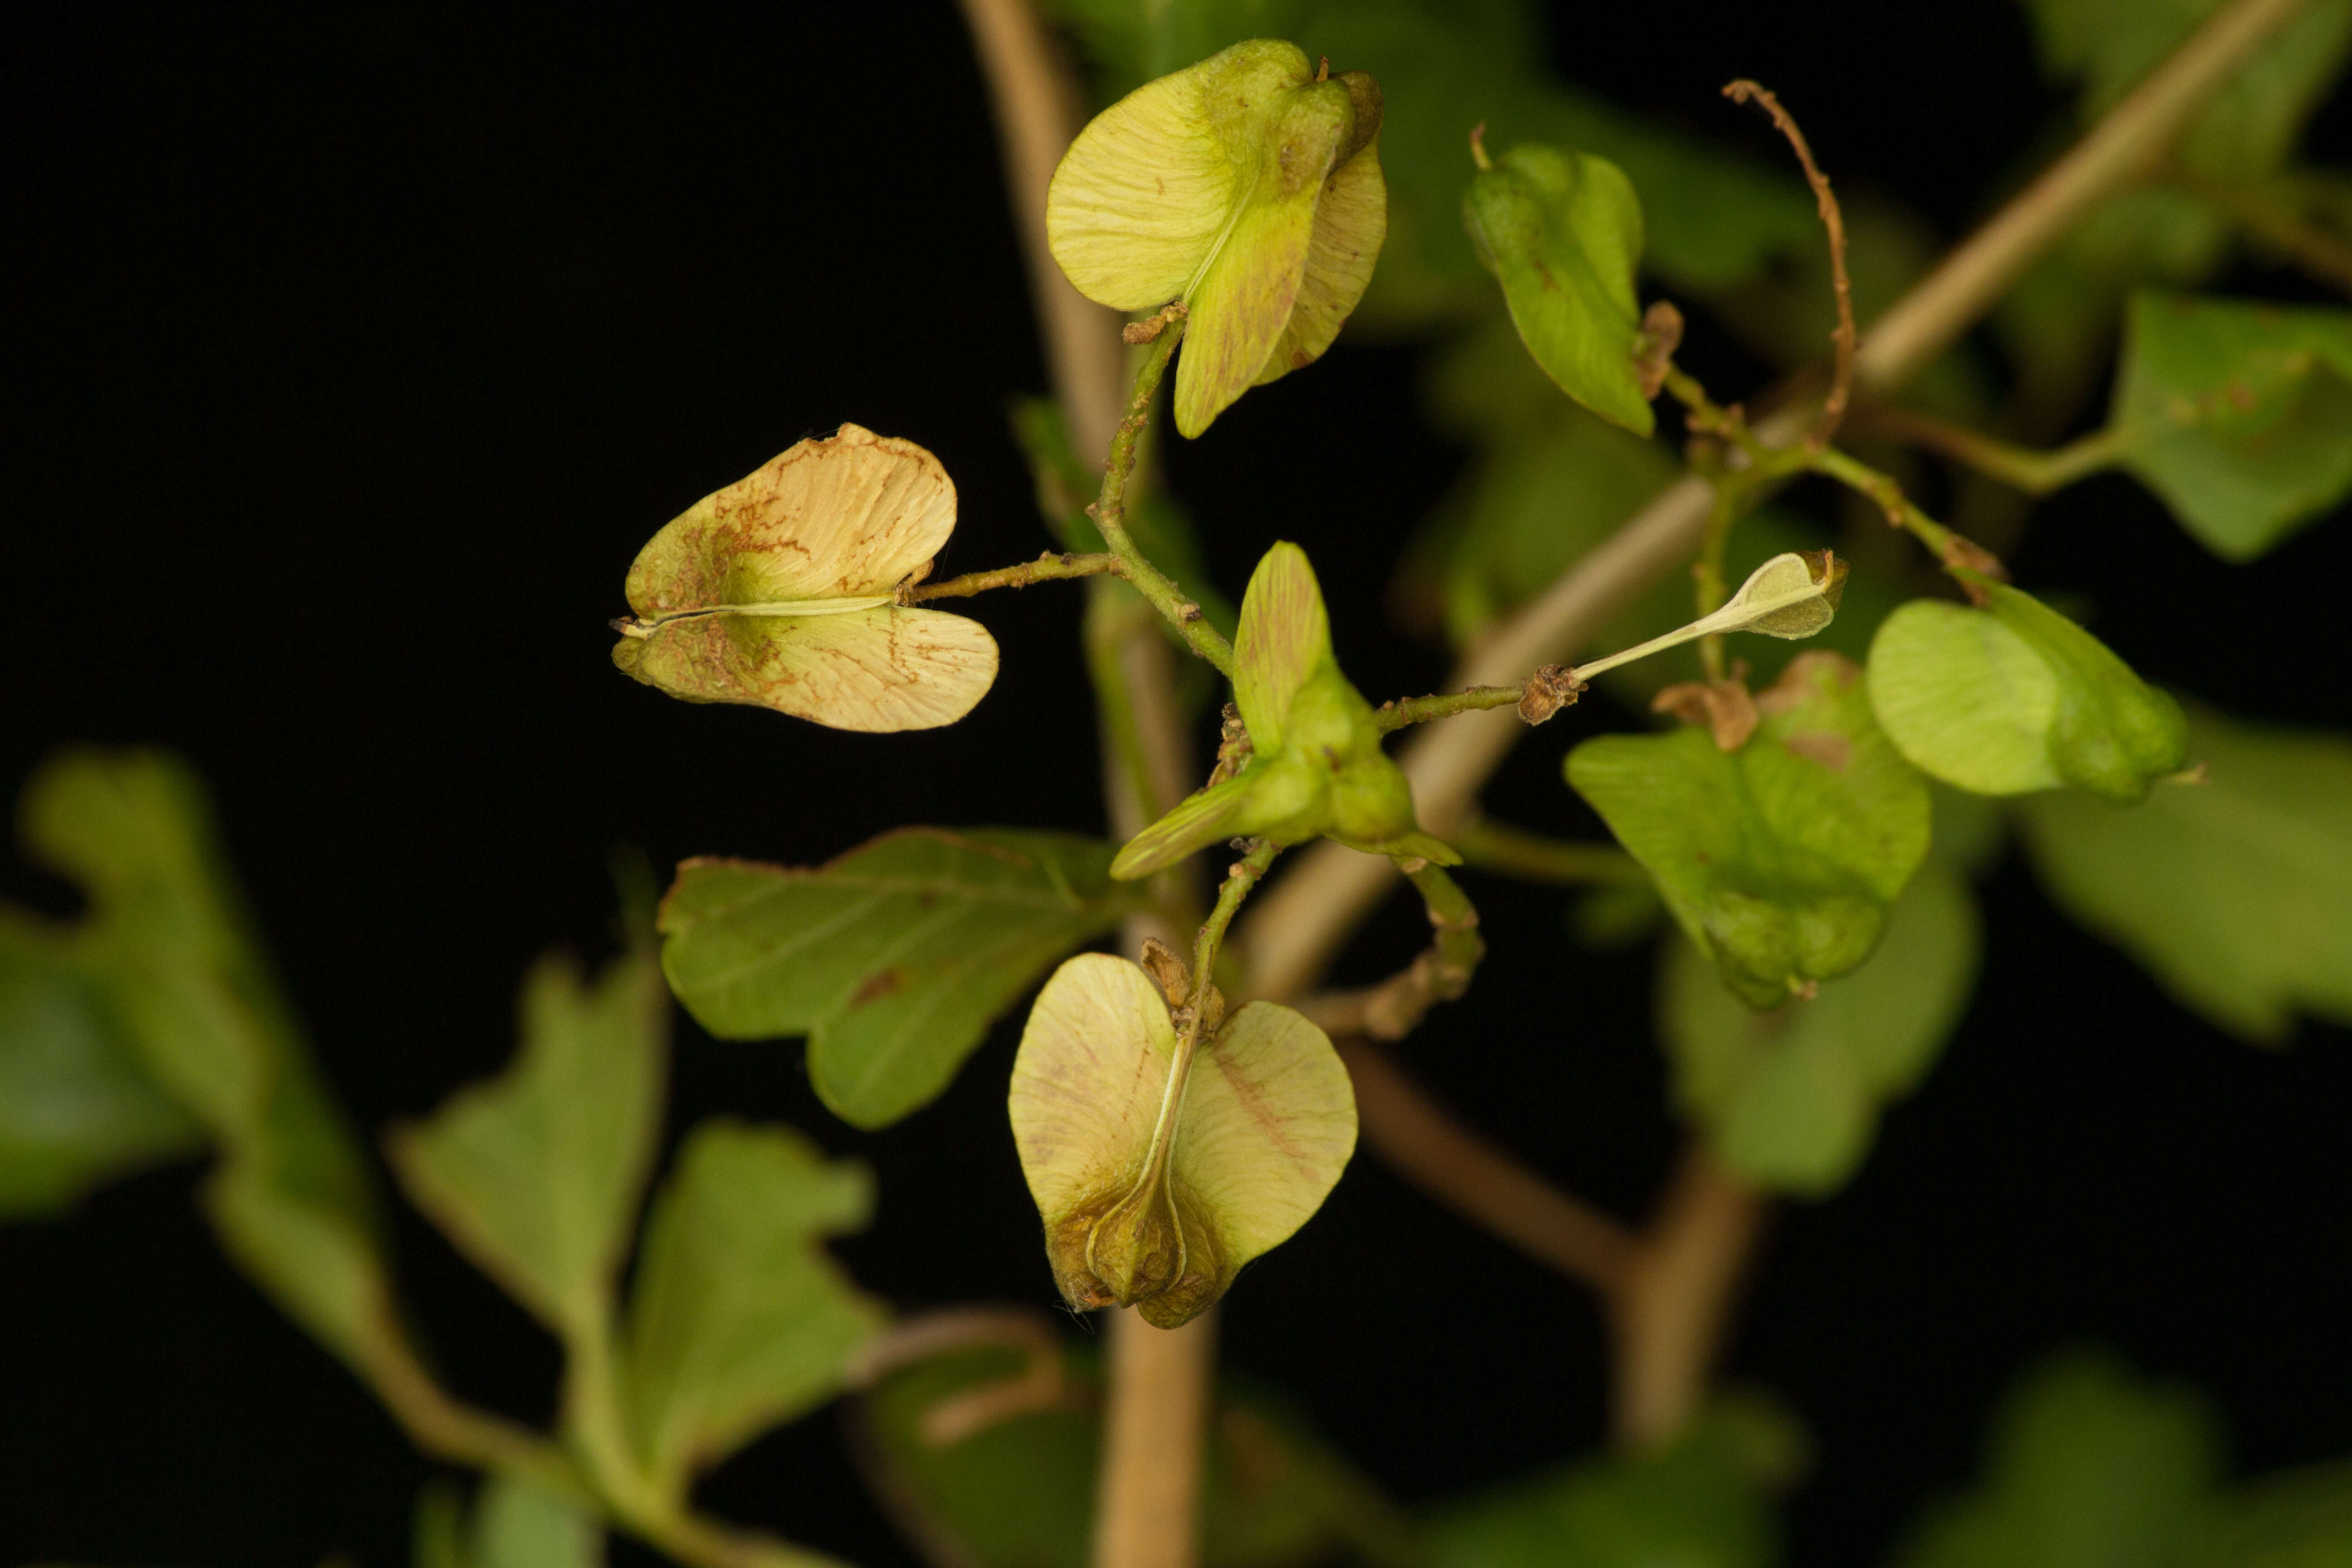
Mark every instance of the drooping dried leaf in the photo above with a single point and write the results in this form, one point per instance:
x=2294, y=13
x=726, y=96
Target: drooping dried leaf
x=779, y=591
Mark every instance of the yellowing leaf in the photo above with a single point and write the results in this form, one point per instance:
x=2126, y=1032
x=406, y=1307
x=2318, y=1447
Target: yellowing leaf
x=1244, y=186
x=1157, y=1175
x=780, y=591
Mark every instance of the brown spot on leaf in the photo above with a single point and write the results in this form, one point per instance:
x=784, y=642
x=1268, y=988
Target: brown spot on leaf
x=1723, y=706
x=878, y=985
x=1823, y=746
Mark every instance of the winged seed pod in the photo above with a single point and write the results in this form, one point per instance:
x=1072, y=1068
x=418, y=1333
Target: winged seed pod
x=1792, y=595
x=1314, y=767
x=1158, y=1172
x=781, y=590
x=1245, y=186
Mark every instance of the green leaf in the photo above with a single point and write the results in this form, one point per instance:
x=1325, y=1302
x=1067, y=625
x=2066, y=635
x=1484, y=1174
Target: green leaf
x=1249, y=187
x=1019, y=1490
x=2088, y=1466
x=2238, y=413
x=168, y=947
x=1702, y=1503
x=780, y=591
x=1316, y=766
x=2015, y=698
x=537, y=1174
x=77, y=1109
x=1791, y=1098
x=2294, y=1519
x=2235, y=893
x=513, y=1525
x=1780, y=859
x=893, y=959
x=1561, y=230
x=738, y=1320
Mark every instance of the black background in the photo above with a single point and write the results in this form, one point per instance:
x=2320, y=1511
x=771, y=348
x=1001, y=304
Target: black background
x=353, y=359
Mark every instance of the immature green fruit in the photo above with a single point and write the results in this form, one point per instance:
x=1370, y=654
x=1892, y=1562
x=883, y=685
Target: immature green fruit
x=1158, y=1172
x=2014, y=698
x=1245, y=186
x=781, y=590
x=1561, y=231
x=1316, y=767
x=1779, y=859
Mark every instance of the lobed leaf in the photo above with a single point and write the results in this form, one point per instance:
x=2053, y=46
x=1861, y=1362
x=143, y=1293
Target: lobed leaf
x=738, y=1320
x=2239, y=414
x=537, y=1174
x=779, y=591
x=1561, y=230
x=2235, y=893
x=1780, y=859
x=2086, y=1464
x=77, y=1108
x=173, y=962
x=1263, y=1124
x=1791, y=1098
x=1702, y=1503
x=893, y=959
x=2015, y=698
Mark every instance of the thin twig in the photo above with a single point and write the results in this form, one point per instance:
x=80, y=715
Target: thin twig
x=1832, y=219
x=1431, y=1149
x=1490, y=846
x=1049, y=567
x=1671, y=1302
x=1440, y=972
x=1404, y=710
x=2129, y=140
x=2035, y=473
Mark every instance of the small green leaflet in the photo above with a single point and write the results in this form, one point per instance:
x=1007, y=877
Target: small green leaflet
x=2238, y=413
x=2235, y=893
x=1561, y=231
x=1779, y=859
x=893, y=959
x=738, y=1320
x=1018, y=1489
x=2015, y=698
x=169, y=949
x=1703, y=1503
x=1791, y=1098
x=77, y=1109
x=512, y=1525
x=2086, y=1464
x=537, y=1174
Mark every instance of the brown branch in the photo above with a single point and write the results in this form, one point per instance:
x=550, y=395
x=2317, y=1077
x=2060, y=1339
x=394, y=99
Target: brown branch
x=1038, y=111
x=1157, y=1380
x=1423, y=1143
x=1299, y=923
x=1832, y=219
x=1671, y=1302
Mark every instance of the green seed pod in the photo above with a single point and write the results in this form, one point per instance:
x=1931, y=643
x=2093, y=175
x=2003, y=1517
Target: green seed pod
x=1316, y=768
x=1245, y=186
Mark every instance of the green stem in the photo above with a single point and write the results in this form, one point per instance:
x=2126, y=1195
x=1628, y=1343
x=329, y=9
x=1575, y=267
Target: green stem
x=1110, y=511
x=1459, y=948
x=1901, y=510
x=2035, y=473
x=1047, y=568
x=1532, y=858
x=1406, y=710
